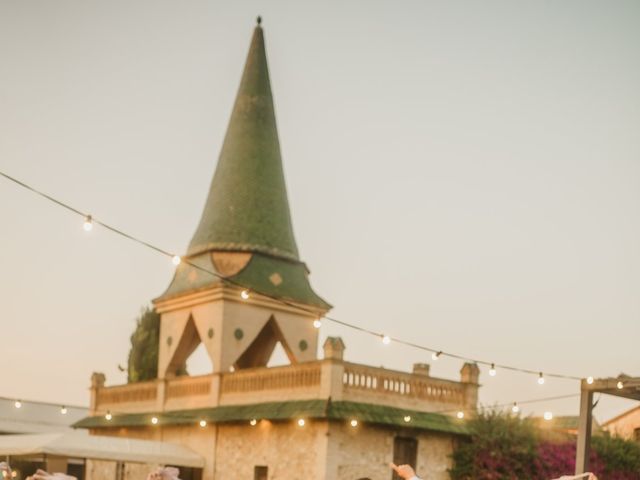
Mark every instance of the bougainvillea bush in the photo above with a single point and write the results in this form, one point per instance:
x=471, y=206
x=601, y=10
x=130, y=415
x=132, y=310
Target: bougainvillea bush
x=508, y=447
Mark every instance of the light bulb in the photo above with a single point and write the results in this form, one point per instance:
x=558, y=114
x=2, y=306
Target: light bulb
x=253, y=422
x=515, y=408
x=108, y=416
x=203, y=423
x=154, y=420
x=18, y=404
x=88, y=223
x=620, y=385
x=548, y=415
x=460, y=414
x=386, y=339
x=589, y=380
x=317, y=324
x=407, y=418
x=63, y=410
x=492, y=370
x=301, y=422
x=436, y=355
x=176, y=260
x=354, y=423
x=541, y=379
x=245, y=294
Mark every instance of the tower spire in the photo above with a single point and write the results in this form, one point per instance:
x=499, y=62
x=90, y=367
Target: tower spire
x=247, y=207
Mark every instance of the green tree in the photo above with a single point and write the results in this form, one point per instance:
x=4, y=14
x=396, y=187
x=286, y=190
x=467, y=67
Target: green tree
x=143, y=355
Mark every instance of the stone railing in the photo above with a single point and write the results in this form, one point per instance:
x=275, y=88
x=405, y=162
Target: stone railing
x=188, y=386
x=329, y=378
x=289, y=377
x=371, y=381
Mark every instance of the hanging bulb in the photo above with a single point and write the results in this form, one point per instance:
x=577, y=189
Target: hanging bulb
x=354, y=423
x=548, y=416
x=386, y=339
x=108, y=416
x=317, y=323
x=18, y=404
x=203, y=423
x=176, y=260
x=244, y=294
x=88, y=223
x=515, y=408
x=301, y=422
x=492, y=370
x=620, y=385
x=63, y=410
x=590, y=380
x=154, y=420
x=436, y=355
x=407, y=418
x=541, y=379
x=460, y=414
x=253, y=422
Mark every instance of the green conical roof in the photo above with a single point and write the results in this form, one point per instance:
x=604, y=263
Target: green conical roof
x=247, y=208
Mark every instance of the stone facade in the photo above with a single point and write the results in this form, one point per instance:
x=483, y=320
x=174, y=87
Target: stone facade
x=318, y=450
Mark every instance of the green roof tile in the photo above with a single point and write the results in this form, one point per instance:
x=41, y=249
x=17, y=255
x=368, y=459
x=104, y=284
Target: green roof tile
x=247, y=208
x=278, y=411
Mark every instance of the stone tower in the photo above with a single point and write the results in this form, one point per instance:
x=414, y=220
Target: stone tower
x=245, y=237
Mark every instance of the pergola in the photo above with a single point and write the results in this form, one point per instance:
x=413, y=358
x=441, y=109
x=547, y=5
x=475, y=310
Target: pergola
x=622, y=386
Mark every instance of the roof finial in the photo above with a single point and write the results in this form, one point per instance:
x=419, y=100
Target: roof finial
x=259, y=19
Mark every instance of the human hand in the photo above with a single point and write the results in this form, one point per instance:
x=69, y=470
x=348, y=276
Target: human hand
x=405, y=471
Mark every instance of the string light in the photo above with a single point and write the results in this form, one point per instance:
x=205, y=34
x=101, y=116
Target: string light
x=354, y=423
x=203, y=423
x=253, y=422
x=317, y=323
x=407, y=418
x=540, y=379
x=460, y=414
x=63, y=410
x=492, y=370
x=108, y=416
x=245, y=293
x=436, y=355
x=88, y=223
x=515, y=408
x=548, y=416
x=18, y=404
x=176, y=260
x=301, y=422
x=386, y=339
x=620, y=385
x=589, y=380
x=154, y=420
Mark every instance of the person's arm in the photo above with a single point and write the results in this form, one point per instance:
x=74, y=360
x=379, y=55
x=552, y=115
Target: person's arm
x=405, y=471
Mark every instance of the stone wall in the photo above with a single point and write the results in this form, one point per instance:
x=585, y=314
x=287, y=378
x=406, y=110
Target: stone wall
x=366, y=451
x=317, y=451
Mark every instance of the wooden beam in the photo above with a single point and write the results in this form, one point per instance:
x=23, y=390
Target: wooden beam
x=584, y=431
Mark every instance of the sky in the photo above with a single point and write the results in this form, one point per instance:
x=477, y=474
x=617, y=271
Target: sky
x=461, y=174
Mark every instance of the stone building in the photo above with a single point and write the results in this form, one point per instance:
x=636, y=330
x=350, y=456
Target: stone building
x=625, y=425
x=240, y=290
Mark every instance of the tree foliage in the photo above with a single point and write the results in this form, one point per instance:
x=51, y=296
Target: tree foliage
x=507, y=447
x=143, y=355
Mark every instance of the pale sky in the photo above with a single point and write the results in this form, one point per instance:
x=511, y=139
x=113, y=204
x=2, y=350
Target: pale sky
x=461, y=174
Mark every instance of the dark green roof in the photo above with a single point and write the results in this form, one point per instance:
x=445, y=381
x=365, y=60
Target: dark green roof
x=278, y=411
x=257, y=276
x=247, y=208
